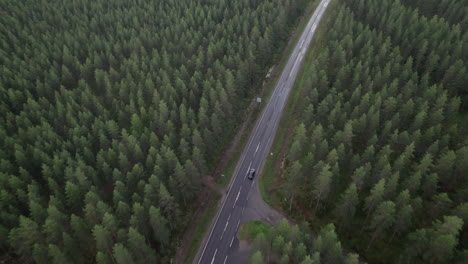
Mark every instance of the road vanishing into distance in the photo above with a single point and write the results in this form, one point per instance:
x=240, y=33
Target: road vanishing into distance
x=222, y=240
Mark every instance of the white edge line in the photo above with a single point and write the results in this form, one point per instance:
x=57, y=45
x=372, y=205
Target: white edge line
x=237, y=198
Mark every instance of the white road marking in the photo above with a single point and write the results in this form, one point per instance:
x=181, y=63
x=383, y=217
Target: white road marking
x=243, y=208
x=238, y=223
x=248, y=169
x=294, y=67
x=214, y=256
x=237, y=198
x=257, y=147
x=231, y=242
x=225, y=259
x=227, y=223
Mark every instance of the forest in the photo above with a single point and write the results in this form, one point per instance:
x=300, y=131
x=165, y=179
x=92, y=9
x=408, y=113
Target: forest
x=379, y=146
x=112, y=111
x=294, y=244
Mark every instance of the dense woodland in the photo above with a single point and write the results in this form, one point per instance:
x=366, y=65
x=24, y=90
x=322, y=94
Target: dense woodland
x=294, y=244
x=452, y=11
x=112, y=111
x=380, y=146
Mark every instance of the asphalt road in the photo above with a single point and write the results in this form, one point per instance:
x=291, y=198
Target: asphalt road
x=222, y=240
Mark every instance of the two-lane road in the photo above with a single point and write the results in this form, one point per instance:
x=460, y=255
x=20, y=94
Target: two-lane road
x=222, y=238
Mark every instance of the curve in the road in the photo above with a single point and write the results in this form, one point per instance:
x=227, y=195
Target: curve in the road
x=222, y=237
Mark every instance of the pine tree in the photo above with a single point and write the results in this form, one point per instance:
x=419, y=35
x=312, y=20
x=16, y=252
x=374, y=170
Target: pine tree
x=103, y=238
x=137, y=245
x=122, y=255
x=25, y=236
x=257, y=258
x=57, y=255
x=299, y=252
x=346, y=209
x=445, y=165
x=169, y=207
x=383, y=218
x=375, y=197
x=328, y=245
x=278, y=243
x=322, y=188
x=359, y=177
x=159, y=226
x=352, y=259
x=102, y=258
x=307, y=260
x=295, y=174
x=54, y=225
x=403, y=220
x=436, y=244
x=440, y=204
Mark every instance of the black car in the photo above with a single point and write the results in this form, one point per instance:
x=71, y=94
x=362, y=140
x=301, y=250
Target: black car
x=251, y=174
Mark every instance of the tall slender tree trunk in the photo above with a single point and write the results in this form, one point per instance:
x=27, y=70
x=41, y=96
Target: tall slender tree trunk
x=109, y=252
x=291, y=202
x=367, y=217
x=374, y=235
x=317, y=205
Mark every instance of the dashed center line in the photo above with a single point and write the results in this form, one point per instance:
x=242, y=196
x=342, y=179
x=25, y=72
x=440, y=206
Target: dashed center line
x=225, y=259
x=231, y=242
x=237, y=198
x=214, y=256
x=227, y=223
